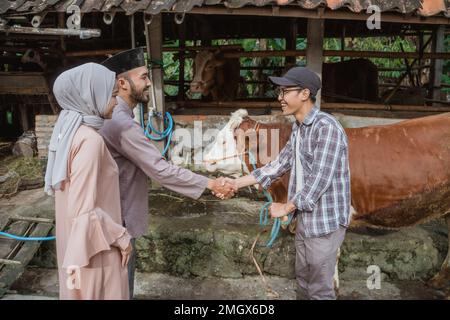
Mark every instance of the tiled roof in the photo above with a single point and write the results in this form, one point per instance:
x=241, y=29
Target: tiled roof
x=419, y=7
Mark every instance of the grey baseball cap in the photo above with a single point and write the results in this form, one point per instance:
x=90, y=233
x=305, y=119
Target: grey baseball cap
x=299, y=77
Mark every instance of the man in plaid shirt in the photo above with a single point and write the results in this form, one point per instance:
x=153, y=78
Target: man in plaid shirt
x=319, y=185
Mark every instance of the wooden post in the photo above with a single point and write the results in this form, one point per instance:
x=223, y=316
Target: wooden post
x=343, y=41
x=181, y=58
x=136, y=110
x=62, y=41
x=258, y=73
x=314, y=50
x=24, y=117
x=437, y=65
x=205, y=31
x=154, y=48
x=133, y=35
x=291, y=41
x=420, y=50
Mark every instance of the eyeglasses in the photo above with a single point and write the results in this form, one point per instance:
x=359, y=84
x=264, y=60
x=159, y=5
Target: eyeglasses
x=282, y=91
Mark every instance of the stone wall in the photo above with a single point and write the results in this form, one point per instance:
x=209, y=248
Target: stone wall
x=207, y=238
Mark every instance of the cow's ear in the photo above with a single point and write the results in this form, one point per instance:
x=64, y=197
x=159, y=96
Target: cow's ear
x=219, y=62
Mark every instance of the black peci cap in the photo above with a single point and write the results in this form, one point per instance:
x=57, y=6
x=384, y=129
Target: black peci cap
x=299, y=77
x=126, y=60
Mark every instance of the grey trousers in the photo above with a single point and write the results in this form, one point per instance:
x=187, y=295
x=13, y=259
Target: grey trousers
x=131, y=268
x=315, y=263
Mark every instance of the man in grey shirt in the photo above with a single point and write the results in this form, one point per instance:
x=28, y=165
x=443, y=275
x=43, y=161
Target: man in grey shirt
x=137, y=158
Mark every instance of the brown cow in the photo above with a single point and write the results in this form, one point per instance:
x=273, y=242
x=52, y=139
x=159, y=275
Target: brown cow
x=400, y=173
x=215, y=77
x=351, y=80
x=34, y=56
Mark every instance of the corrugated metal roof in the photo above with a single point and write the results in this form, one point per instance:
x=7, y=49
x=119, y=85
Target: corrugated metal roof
x=419, y=7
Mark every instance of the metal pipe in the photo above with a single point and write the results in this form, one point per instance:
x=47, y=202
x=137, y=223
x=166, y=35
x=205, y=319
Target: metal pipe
x=82, y=33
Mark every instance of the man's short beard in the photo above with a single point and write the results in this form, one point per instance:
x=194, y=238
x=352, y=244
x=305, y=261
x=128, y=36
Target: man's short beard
x=137, y=96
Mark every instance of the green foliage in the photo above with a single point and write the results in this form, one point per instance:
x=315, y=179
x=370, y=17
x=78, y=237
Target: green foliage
x=446, y=68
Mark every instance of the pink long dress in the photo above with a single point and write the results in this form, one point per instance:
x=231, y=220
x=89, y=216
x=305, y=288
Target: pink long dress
x=89, y=229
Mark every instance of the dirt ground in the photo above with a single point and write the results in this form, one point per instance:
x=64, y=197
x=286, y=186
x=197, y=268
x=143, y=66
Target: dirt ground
x=39, y=281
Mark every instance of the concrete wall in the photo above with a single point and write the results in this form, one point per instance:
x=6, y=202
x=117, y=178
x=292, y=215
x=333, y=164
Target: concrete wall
x=45, y=123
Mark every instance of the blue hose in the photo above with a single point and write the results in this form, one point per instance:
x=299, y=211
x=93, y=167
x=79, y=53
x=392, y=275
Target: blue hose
x=264, y=211
x=12, y=236
x=155, y=135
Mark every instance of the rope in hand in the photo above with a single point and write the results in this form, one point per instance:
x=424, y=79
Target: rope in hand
x=264, y=211
x=263, y=221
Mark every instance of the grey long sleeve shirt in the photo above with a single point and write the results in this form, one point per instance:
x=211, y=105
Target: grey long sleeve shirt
x=138, y=159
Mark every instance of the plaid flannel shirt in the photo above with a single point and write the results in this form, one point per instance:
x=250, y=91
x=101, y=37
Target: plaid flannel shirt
x=324, y=201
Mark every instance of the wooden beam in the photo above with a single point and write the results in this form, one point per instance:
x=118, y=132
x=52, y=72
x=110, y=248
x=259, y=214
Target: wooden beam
x=26, y=83
x=291, y=11
x=105, y=52
x=227, y=47
x=325, y=105
x=314, y=51
x=338, y=53
x=284, y=53
x=93, y=53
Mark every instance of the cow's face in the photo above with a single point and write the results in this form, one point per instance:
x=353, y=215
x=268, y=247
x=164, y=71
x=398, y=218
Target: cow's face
x=205, y=64
x=223, y=154
x=33, y=56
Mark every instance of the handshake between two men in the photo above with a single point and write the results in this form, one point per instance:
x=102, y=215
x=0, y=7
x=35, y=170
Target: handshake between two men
x=225, y=188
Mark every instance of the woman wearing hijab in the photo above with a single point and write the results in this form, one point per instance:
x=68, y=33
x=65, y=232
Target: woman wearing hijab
x=92, y=245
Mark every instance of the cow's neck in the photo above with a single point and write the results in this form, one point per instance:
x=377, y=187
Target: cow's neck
x=246, y=125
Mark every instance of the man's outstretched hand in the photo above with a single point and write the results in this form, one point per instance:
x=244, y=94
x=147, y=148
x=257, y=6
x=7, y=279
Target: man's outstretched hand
x=223, y=188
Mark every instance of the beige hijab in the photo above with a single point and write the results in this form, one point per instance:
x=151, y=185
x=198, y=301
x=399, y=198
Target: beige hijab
x=83, y=93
